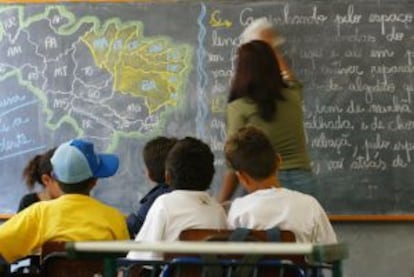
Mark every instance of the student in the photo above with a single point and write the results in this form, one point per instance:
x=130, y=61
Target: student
x=73, y=216
x=255, y=162
x=189, y=170
x=38, y=171
x=155, y=152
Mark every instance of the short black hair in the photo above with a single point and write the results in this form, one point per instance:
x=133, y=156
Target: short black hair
x=83, y=187
x=190, y=164
x=155, y=153
x=249, y=150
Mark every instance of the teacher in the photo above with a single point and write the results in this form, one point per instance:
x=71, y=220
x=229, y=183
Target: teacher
x=265, y=94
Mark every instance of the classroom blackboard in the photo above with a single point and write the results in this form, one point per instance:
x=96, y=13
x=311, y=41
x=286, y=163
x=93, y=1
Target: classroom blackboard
x=120, y=73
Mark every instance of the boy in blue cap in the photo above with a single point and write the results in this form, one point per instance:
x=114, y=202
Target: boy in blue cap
x=72, y=217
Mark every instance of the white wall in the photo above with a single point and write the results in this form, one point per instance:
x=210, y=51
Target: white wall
x=378, y=249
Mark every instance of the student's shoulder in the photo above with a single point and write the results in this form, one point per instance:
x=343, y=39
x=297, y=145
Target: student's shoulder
x=30, y=197
x=27, y=200
x=242, y=201
x=155, y=192
x=164, y=200
x=300, y=196
x=105, y=208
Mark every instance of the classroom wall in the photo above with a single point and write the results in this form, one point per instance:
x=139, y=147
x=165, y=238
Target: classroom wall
x=378, y=249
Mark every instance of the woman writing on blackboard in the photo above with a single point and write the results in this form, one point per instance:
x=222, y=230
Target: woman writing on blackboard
x=265, y=94
x=38, y=171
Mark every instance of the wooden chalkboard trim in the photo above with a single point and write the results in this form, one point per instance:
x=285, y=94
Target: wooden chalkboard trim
x=367, y=217
x=5, y=216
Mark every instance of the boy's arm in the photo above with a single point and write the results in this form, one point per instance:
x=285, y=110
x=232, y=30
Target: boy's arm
x=19, y=236
x=228, y=186
x=152, y=230
x=234, y=217
x=136, y=220
x=324, y=232
x=134, y=223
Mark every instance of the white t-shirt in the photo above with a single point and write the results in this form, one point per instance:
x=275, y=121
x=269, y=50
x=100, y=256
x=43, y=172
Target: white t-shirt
x=174, y=212
x=289, y=210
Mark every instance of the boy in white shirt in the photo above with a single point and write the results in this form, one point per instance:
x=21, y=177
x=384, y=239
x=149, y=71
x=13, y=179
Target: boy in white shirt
x=253, y=158
x=189, y=171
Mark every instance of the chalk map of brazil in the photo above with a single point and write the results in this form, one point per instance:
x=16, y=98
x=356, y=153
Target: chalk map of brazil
x=102, y=77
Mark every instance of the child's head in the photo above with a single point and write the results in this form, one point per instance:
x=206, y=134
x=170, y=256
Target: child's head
x=155, y=153
x=250, y=151
x=76, y=166
x=190, y=165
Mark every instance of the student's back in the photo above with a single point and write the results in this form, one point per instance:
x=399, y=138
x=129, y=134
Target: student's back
x=256, y=164
x=189, y=170
x=78, y=217
x=290, y=210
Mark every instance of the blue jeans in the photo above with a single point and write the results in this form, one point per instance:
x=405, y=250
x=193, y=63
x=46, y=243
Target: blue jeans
x=298, y=179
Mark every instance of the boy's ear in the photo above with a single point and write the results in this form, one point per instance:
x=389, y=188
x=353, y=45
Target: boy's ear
x=244, y=179
x=46, y=179
x=278, y=161
x=93, y=183
x=51, y=186
x=149, y=174
x=167, y=177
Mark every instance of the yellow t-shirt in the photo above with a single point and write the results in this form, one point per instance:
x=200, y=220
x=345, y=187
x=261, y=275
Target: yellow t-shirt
x=71, y=217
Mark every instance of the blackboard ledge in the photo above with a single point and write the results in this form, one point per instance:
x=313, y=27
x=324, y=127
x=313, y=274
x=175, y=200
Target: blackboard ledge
x=371, y=218
x=5, y=216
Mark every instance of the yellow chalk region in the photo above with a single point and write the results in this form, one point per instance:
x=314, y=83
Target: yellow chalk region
x=137, y=82
x=154, y=69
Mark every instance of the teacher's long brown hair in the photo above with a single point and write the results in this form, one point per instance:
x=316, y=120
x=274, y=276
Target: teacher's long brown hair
x=258, y=77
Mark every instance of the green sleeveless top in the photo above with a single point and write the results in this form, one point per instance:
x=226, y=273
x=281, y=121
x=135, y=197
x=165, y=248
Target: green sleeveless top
x=285, y=131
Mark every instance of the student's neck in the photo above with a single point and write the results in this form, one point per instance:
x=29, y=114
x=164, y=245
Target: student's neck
x=43, y=195
x=270, y=182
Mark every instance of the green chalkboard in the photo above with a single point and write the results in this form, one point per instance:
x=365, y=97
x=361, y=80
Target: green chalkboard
x=120, y=73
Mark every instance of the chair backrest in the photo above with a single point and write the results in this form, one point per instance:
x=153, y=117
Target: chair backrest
x=260, y=235
x=224, y=235
x=257, y=235
x=56, y=263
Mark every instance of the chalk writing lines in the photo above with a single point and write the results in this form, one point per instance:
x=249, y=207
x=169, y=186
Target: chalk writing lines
x=15, y=142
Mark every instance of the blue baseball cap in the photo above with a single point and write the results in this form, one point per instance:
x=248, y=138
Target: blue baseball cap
x=76, y=161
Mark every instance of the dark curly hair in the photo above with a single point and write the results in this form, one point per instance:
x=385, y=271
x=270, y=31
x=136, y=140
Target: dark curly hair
x=190, y=164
